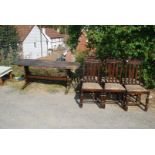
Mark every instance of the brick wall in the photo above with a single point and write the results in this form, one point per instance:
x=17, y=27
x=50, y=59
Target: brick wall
x=82, y=44
x=70, y=57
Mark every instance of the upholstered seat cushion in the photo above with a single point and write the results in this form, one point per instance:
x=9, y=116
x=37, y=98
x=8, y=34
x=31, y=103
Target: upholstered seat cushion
x=91, y=85
x=135, y=88
x=114, y=86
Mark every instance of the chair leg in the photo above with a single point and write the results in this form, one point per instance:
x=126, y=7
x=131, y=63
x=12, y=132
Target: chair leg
x=117, y=96
x=81, y=99
x=125, y=102
x=138, y=98
x=103, y=99
x=68, y=85
x=95, y=96
x=147, y=101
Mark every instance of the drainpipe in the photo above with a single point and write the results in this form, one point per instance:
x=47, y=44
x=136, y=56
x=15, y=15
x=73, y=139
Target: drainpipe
x=41, y=41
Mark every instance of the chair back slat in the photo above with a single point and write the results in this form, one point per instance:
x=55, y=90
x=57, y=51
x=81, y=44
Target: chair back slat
x=116, y=68
x=136, y=72
x=113, y=70
x=91, y=70
x=132, y=71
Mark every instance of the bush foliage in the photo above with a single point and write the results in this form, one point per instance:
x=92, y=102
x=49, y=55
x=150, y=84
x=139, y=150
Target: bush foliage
x=126, y=42
x=8, y=45
x=123, y=42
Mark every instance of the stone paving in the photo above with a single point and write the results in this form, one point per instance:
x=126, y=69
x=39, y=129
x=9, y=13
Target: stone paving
x=45, y=110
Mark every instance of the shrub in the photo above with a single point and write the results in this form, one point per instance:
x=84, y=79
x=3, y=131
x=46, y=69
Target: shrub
x=80, y=56
x=8, y=59
x=126, y=42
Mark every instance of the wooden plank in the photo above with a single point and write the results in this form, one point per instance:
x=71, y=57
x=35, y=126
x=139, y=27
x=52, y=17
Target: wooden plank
x=63, y=78
x=46, y=63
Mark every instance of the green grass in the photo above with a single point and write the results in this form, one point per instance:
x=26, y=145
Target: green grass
x=17, y=71
x=37, y=87
x=47, y=86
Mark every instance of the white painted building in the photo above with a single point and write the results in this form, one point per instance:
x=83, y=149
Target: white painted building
x=55, y=39
x=35, y=42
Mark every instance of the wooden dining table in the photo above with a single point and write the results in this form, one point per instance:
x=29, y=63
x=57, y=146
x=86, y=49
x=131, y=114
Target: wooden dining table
x=67, y=67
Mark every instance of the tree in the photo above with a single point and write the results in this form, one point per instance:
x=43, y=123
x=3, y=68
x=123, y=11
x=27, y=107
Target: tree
x=8, y=43
x=74, y=32
x=126, y=42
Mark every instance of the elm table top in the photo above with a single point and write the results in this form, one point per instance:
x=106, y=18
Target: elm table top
x=47, y=63
x=4, y=70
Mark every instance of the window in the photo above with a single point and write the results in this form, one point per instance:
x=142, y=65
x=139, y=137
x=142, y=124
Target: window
x=35, y=44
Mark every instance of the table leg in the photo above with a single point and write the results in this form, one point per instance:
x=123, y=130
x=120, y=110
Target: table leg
x=68, y=81
x=147, y=101
x=27, y=73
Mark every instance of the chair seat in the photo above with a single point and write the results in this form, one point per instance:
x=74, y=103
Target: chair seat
x=91, y=86
x=135, y=88
x=114, y=86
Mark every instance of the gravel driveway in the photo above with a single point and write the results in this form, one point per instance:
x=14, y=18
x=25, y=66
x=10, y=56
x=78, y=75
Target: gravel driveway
x=57, y=110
